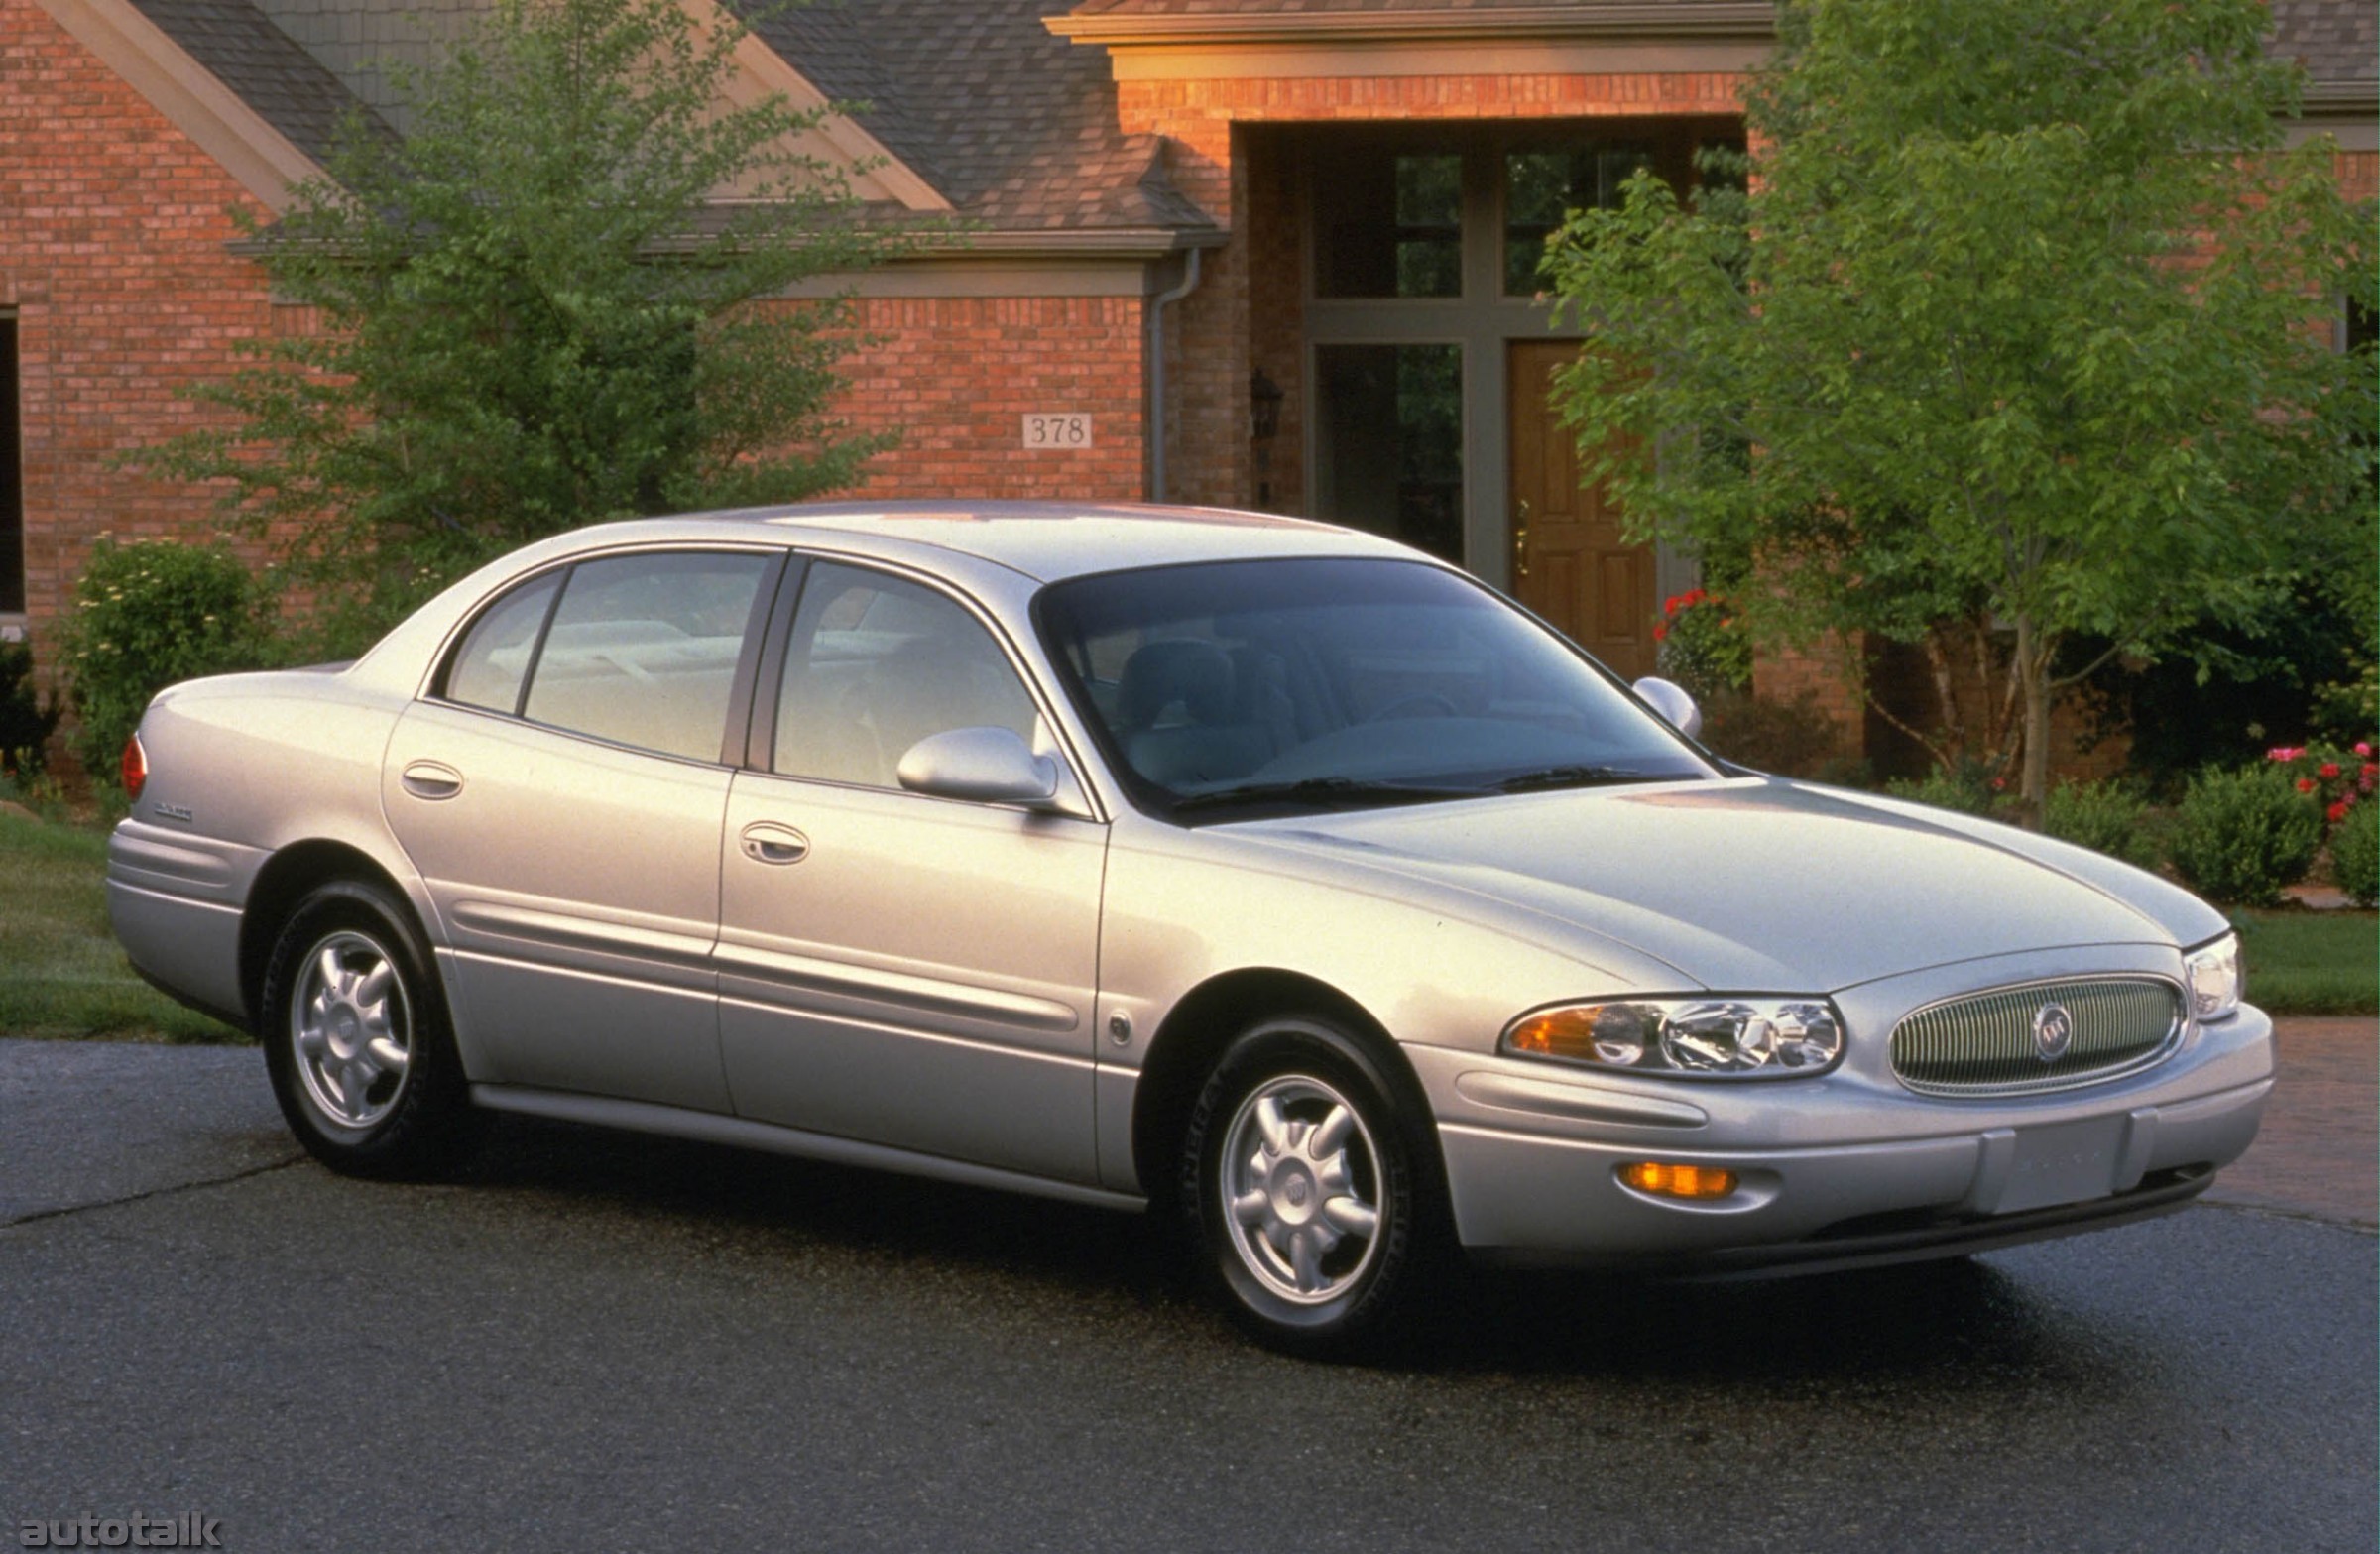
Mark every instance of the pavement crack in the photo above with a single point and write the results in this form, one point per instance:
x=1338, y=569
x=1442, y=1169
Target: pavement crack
x=172, y=1189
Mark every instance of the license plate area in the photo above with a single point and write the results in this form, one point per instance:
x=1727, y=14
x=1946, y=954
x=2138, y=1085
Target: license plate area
x=2063, y=1162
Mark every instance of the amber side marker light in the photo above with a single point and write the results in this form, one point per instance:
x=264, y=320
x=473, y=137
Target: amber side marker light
x=135, y=769
x=1665, y=1180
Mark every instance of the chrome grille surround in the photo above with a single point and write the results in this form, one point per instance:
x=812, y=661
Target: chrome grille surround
x=1982, y=1043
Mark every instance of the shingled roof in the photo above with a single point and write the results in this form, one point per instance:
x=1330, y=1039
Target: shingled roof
x=264, y=66
x=1015, y=127
x=2338, y=41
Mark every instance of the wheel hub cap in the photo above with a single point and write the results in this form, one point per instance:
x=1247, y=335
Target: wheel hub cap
x=1301, y=1177
x=351, y=1030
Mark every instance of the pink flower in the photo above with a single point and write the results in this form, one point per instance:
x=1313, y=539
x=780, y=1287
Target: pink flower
x=2363, y=746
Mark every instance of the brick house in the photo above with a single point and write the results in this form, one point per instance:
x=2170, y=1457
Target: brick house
x=1269, y=253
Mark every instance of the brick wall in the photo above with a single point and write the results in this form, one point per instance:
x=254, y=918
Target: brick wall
x=956, y=375
x=112, y=234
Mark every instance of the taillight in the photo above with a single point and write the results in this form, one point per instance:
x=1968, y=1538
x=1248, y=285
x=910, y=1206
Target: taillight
x=136, y=767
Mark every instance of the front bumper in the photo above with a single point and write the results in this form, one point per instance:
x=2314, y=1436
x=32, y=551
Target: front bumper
x=1838, y=1171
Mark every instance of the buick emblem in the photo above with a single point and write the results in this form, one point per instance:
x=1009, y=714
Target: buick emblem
x=2052, y=1031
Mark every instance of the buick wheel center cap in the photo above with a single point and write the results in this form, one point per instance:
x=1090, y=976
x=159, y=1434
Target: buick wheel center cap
x=2052, y=1031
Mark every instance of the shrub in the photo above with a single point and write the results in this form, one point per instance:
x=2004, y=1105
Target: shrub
x=1703, y=647
x=2105, y=817
x=147, y=614
x=2240, y=836
x=1968, y=790
x=1789, y=737
x=27, y=720
x=2356, y=854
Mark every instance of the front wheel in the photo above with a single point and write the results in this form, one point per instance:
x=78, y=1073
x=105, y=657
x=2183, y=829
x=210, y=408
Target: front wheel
x=1314, y=1197
x=356, y=1037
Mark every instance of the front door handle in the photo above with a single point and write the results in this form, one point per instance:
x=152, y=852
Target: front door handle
x=430, y=779
x=765, y=842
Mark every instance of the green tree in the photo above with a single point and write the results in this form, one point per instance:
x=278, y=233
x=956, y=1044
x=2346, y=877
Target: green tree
x=2019, y=334
x=536, y=314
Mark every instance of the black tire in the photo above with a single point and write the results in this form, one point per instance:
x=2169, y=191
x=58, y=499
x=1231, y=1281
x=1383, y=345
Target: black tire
x=1362, y=1292
x=353, y=1109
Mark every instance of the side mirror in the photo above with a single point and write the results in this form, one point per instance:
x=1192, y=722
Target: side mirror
x=1677, y=709
x=985, y=765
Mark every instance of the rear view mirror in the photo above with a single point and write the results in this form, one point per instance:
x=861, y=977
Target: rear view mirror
x=989, y=765
x=1669, y=699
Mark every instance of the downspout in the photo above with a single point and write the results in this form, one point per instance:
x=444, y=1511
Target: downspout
x=1156, y=374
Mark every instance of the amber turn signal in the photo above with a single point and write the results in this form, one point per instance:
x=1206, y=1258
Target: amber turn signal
x=1678, y=1182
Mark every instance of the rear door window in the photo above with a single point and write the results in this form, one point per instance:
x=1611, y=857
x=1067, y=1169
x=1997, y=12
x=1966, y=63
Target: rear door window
x=643, y=651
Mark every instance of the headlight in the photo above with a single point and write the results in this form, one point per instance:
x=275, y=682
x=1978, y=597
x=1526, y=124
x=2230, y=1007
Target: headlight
x=2213, y=974
x=1747, y=1036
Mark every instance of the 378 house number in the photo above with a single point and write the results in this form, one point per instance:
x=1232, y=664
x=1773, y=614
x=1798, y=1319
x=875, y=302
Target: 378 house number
x=1057, y=429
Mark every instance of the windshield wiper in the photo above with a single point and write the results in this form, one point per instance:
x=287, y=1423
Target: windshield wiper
x=1315, y=791
x=1580, y=777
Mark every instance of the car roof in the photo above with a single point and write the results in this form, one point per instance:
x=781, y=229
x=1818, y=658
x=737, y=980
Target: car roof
x=1050, y=541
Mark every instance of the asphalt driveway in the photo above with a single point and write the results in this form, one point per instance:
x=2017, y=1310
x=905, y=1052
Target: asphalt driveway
x=609, y=1342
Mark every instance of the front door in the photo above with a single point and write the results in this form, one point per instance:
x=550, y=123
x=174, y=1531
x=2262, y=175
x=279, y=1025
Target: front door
x=1570, y=562
x=896, y=968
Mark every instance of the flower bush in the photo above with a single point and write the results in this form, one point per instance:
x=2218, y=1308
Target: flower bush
x=2334, y=779
x=1702, y=649
x=2240, y=837
x=2356, y=854
x=146, y=615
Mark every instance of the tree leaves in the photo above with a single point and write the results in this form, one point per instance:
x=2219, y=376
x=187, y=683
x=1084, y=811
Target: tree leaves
x=537, y=310
x=2021, y=322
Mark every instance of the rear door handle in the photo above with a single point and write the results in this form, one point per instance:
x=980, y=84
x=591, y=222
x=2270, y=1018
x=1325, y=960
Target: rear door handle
x=431, y=780
x=765, y=842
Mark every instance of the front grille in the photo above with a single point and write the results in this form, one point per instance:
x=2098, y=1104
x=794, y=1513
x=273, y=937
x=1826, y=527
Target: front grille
x=1983, y=1043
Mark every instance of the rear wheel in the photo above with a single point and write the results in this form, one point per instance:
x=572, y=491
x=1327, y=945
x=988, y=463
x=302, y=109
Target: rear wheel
x=357, y=1039
x=1314, y=1198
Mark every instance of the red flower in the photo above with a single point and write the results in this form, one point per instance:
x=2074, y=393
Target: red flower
x=1669, y=606
x=1660, y=630
x=2304, y=784
x=2329, y=769
x=1999, y=785
x=2372, y=767
x=2339, y=811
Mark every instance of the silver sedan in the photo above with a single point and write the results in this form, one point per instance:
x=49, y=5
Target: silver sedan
x=1252, y=869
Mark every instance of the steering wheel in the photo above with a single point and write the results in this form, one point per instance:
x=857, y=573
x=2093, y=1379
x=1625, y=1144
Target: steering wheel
x=1420, y=698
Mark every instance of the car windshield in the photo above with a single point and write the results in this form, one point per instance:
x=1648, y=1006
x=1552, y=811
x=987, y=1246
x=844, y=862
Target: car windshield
x=1237, y=689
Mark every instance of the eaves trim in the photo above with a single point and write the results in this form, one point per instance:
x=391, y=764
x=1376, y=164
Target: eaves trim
x=1677, y=18
x=261, y=159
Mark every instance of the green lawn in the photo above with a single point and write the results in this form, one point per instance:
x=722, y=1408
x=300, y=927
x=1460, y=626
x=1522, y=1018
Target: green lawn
x=60, y=972
x=2312, y=963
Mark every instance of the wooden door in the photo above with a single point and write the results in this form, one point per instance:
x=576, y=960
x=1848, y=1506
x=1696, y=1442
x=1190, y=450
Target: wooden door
x=1569, y=561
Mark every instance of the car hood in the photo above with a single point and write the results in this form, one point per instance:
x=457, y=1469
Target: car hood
x=1750, y=884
